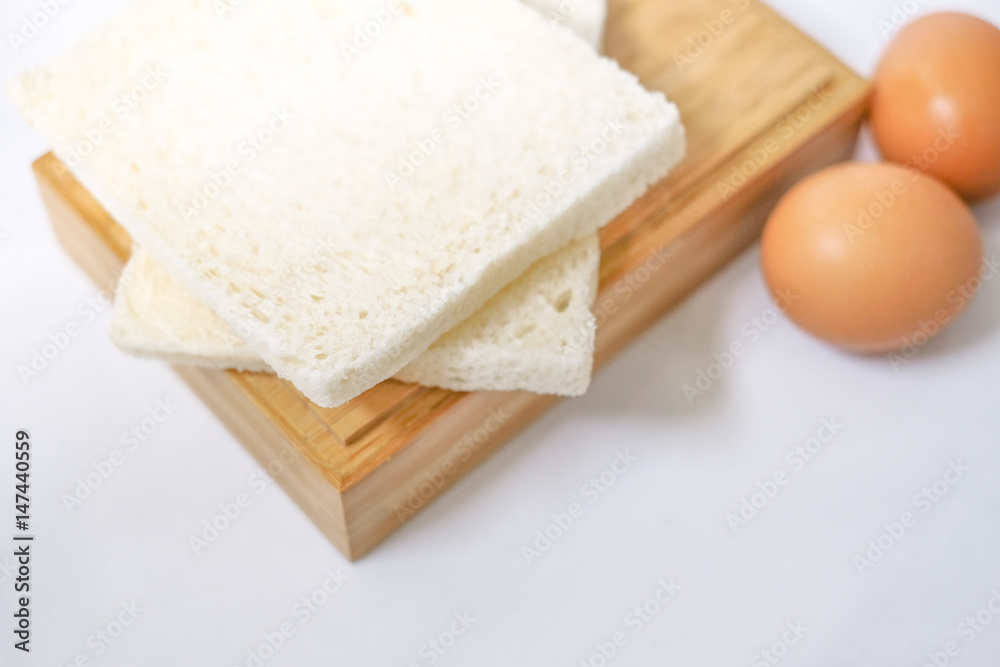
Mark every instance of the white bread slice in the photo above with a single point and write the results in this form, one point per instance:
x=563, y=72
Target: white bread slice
x=536, y=335
x=584, y=17
x=550, y=349
x=525, y=171
x=155, y=318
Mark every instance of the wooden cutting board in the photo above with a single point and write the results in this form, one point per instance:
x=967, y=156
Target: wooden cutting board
x=763, y=106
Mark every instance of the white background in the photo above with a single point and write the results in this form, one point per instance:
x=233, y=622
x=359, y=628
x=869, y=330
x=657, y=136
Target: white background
x=664, y=518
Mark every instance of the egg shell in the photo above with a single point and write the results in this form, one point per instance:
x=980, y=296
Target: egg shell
x=867, y=256
x=936, y=104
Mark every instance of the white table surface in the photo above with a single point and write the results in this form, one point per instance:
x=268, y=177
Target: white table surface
x=663, y=519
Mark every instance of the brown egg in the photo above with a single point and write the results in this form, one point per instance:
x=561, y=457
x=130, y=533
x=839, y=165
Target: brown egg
x=868, y=256
x=937, y=101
